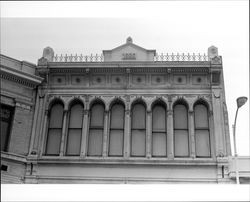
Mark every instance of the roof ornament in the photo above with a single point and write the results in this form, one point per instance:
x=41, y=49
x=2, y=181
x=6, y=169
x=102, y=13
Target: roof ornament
x=129, y=40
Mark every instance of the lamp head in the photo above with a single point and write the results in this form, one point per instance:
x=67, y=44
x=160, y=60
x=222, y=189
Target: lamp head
x=241, y=101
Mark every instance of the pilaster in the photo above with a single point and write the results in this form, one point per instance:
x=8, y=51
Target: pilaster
x=64, y=132
x=170, y=136
x=85, y=126
x=105, y=134
x=127, y=133
x=191, y=132
x=149, y=134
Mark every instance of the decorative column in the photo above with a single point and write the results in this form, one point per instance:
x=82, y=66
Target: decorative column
x=211, y=133
x=64, y=132
x=44, y=134
x=105, y=134
x=85, y=126
x=127, y=133
x=170, y=136
x=191, y=133
x=149, y=134
x=32, y=150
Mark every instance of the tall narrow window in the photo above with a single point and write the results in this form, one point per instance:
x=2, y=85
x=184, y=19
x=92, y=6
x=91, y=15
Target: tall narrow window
x=138, y=131
x=181, y=146
x=202, y=140
x=159, y=138
x=116, y=130
x=96, y=130
x=6, y=122
x=75, y=130
x=55, y=130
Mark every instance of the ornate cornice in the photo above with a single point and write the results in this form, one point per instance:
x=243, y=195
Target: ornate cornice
x=17, y=79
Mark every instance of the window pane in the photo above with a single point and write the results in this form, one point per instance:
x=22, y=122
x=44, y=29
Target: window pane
x=181, y=142
x=95, y=142
x=159, y=144
x=4, y=135
x=97, y=113
x=201, y=116
x=56, y=116
x=138, y=117
x=76, y=114
x=202, y=143
x=74, y=142
x=54, y=140
x=117, y=116
x=159, y=118
x=116, y=143
x=138, y=143
x=180, y=117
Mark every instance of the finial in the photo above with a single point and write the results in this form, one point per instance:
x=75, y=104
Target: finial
x=129, y=40
x=48, y=53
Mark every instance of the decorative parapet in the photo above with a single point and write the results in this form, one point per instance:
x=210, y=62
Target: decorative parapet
x=157, y=58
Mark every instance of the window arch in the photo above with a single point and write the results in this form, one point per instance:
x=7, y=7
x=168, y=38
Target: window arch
x=159, y=135
x=54, y=129
x=138, y=130
x=116, y=135
x=181, y=143
x=96, y=129
x=202, y=134
x=74, y=129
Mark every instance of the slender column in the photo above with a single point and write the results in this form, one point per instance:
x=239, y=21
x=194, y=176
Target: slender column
x=85, y=126
x=191, y=133
x=127, y=134
x=105, y=134
x=211, y=134
x=149, y=134
x=170, y=137
x=45, y=134
x=33, y=133
x=64, y=131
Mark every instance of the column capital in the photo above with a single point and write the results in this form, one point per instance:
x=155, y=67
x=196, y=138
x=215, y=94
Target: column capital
x=191, y=112
x=85, y=112
x=46, y=112
x=149, y=111
x=210, y=113
x=170, y=112
x=127, y=112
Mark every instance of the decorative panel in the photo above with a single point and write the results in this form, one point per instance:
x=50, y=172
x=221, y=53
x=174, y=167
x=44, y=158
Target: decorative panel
x=180, y=79
x=157, y=79
x=78, y=80
x=99, y=79
x=58, y=79
x=117, y=79
x=139, y=79
x=199, y=79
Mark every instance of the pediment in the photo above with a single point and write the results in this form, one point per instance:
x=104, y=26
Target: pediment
x=129, y=52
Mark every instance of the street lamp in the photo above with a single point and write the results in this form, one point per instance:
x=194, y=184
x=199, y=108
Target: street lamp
x=240, y=102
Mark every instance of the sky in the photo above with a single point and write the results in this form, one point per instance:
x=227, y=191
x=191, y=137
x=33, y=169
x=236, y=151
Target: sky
x=166, y=26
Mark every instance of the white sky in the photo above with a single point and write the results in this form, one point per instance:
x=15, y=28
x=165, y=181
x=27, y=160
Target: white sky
x=167, y=26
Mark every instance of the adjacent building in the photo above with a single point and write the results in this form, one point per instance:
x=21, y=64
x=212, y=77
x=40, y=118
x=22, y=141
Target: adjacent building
x=128, y=115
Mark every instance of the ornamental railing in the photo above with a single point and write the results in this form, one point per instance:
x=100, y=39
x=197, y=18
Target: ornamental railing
x=78, y=58
x=157, y=58
x=180, y=57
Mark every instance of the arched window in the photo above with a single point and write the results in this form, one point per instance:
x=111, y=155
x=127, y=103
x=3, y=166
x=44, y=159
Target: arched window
x=202, y=140
x=138, y=130
x=96, y=130
x=55, y=129
x=116, y=130
x=181, y=147
x=159, y=137
x=74, y=130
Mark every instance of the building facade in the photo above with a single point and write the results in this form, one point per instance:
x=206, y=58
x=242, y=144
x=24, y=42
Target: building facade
x=127, y=116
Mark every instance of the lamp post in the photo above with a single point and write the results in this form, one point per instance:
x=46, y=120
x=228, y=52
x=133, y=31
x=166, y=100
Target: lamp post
x=240, y=102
